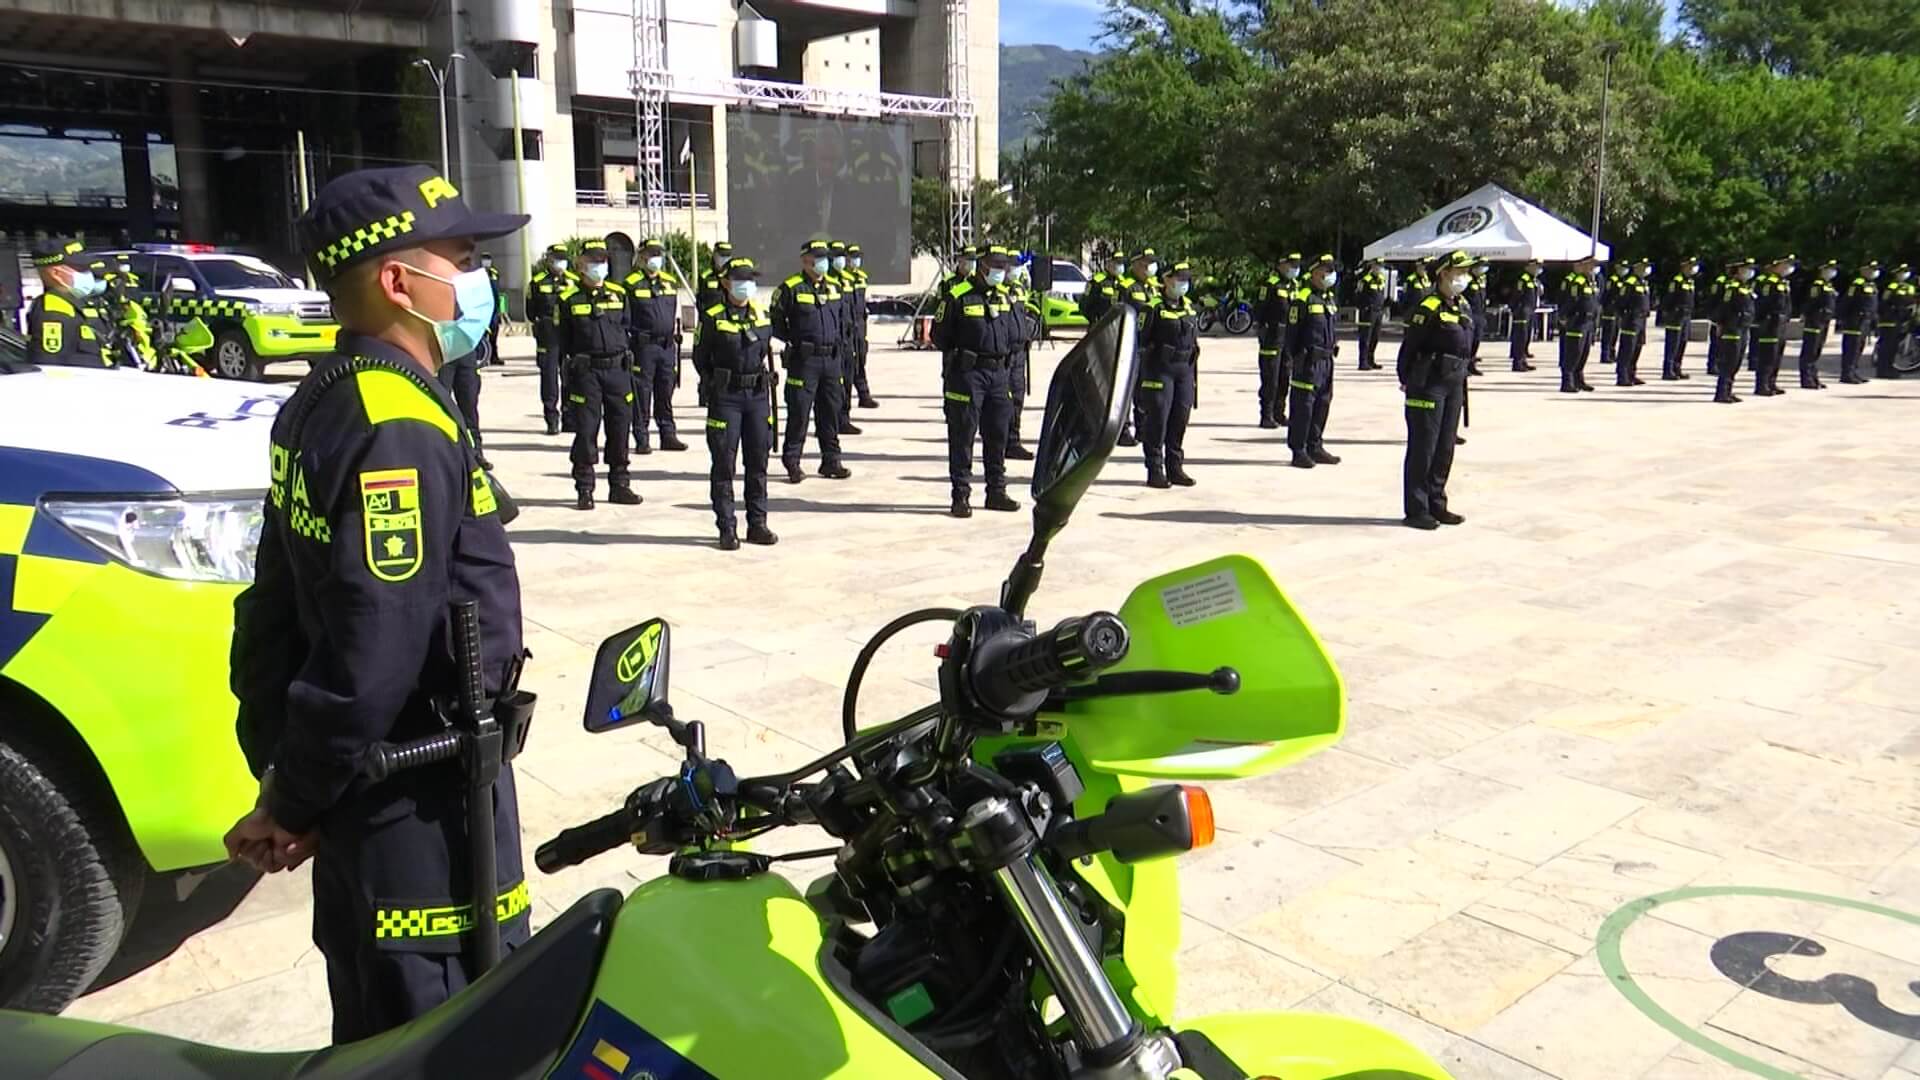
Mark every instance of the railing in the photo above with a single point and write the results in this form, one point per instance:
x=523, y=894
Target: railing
x=89, y=200
x=622, y=200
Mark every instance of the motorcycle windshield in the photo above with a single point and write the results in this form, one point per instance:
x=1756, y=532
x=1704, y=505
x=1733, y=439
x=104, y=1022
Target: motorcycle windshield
x=1224, y=612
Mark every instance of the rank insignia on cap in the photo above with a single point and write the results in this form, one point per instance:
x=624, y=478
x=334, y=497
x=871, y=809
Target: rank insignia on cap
x=391, y=499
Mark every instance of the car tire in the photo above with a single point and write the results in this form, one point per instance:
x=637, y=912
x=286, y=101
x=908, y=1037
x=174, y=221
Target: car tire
x=233, y=357
x=70, y=884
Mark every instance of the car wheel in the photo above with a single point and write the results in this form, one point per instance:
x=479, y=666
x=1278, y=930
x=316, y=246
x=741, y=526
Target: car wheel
x=67, y=887
x=1239, y=322
x=233, y=357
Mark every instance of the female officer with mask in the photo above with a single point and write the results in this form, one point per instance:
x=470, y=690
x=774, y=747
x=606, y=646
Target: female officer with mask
x=1169, y=351
x=1433, y=369
x=730, y=353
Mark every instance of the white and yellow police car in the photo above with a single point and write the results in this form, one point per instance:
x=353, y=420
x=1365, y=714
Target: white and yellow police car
x=130, y=508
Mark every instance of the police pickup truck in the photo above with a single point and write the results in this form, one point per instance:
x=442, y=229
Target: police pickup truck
x=258, y=314
x=130, y=507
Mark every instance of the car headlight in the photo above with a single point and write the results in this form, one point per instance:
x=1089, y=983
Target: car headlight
x=188, y=537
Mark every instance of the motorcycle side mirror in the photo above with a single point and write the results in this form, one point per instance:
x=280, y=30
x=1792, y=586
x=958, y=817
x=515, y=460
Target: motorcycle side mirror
x=1087, y=405
x=629, y=683
x=194, y=337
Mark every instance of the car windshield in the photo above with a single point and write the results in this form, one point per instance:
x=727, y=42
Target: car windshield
x=1068, y=272
x=242, y=274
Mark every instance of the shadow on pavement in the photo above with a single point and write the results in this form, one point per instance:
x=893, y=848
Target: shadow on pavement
x=1231, y=517
x=779, y=505
x=164, y=922
x=584, y=536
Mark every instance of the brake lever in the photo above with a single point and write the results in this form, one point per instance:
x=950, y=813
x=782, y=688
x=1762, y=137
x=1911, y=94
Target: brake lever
x=1221, y=680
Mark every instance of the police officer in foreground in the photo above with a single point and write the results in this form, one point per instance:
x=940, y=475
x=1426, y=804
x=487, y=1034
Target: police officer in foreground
x=712, y=287
x=653, y=295
x=1169, y=355
x=1433, y=369
x=1632, y=304
x=543, y=289
x=1815, y=319
x=378, y=517
x=65, y=324
x=1733, y=320
x=975, y=327
x=1312, y=346
x=807, y=319
x=1370, y=296
x=597, y=368
x=732, y=356
x=1272, y=312
x=1524, y=301
x=1579, y=314
x=864, y=389
x=1859, y=309
x=1897, y=304
x=1676, y=318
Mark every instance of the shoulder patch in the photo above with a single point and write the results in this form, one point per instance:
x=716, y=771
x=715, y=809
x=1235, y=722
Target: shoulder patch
x=389, y=395
x=1431, y=303
x=794, y=280
x=390, y=499
x=57, y=304
x=716, y=309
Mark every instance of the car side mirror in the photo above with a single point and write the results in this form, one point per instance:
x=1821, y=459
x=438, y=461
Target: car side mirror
x=629, y=684
x=182, y=284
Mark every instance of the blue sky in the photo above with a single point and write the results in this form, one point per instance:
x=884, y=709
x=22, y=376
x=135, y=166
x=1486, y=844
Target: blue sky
x=1073, y=23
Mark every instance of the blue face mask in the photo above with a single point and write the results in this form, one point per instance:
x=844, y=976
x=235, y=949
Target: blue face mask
x=855, y=261
x=85, y=284
x=473, y=304
x=596, y=272
x=743, y=290
x=839, y=262
x=996, y=276
x=655, y=262
x=1179, y=289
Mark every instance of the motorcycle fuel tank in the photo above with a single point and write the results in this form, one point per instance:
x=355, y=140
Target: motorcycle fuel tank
x=723, y=980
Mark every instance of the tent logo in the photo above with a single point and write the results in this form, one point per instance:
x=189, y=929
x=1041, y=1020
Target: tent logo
x=1465, y=221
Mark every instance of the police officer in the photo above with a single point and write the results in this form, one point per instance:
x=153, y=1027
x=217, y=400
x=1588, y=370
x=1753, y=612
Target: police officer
x=806, y=319
x=65, y=324
x=975, y=327
x=853, y=327
x=1312, y=346
x=1772, y=307
x=461, y=377
x=543, y=289
x=1579, y=314
x=1169, y=353
x=713, y=283
x=1370, y=297
x=1632, y=304
x=1815, y=319
x=1433, y=368
x=1103, y=289
x=379, y=515
x=1477, y=303
x=963, y=267
x=1716, y=292
x=598, y=372
x=856, y=261
x=1273, y=312
x=1416, y=286
x=131, y=342
x=1522, y=303
x=1026, y=309
x=1609, y=284
x=652, y=307
x=1733, y=320
x=1676, y=318
x=1896, y=317
x=1859, y=310
x=1141, y=289
x=499, y=316
x=731, y=354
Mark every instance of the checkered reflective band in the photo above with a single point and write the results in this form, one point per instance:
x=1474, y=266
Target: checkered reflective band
x=394, y=924
x=365, y=237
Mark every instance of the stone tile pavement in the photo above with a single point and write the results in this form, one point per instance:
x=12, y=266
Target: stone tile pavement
x=1676, y=647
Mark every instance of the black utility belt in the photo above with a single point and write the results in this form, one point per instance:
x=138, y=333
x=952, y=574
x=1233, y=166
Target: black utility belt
x=968, y=360
x=738, y=380
x=662, y=340
x=1167, y=354
x=811, y=348
x=600, y=362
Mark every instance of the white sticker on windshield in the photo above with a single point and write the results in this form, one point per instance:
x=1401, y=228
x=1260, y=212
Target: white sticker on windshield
x=1212, y=754
x=1203, y=598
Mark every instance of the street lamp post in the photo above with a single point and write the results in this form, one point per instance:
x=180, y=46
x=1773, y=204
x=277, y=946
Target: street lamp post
x=439, y=75
x=1610, y=50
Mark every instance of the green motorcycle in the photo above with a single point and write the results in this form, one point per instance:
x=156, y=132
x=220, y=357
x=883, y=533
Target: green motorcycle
x=1002, y=904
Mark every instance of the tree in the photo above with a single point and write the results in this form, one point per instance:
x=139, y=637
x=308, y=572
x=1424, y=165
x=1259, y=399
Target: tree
x=1802, y=36
x=995, y=218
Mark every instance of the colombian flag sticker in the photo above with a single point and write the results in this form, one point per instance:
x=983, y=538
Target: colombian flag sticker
x=612, y=1047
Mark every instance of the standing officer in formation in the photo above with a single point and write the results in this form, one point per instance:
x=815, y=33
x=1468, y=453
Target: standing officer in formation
x=379, y=515
x=1815, y=318
x=65, y=325
x=732, y=356
x=1311, y=345
x=1020, y=360
x=1716, y=292
x=1733, y=320
x=1525, y=301
x=853, y=306
x=808, y=319
x=499, y=314
x=1103, y=290
x=963, y=267
x=1633, y=303
x=1416, y=286
x=543, y=292
x=1772, y=307
x=1170, y=352
x=1676, y=318
x=597, y=369
x=713, y=284
x=1271, y=312
x=1859, y=309
x=461, y=377
x=975, y=327
x=1896, y=313
x=653, y=303
x=1477, y=302
x=1609, y=285
x=1370, y=296
x=1579, y=312
x=860, y=384
x=1433, y=369
x=1140, y=288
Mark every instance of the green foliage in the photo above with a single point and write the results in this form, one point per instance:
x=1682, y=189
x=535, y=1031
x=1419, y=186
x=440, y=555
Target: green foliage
x=996, y=219
x=1802, y=36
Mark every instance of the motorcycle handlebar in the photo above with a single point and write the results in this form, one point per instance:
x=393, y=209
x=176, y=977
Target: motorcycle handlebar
x=582, y=842
x=1076, y=649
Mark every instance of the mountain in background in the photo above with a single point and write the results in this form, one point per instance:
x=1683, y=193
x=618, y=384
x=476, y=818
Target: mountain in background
x=1027, y=73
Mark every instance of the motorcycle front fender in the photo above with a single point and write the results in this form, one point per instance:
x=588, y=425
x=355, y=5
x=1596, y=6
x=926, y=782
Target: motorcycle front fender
x=1313, y=1046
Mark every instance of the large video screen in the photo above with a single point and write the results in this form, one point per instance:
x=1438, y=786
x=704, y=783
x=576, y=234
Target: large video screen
x=793, y=177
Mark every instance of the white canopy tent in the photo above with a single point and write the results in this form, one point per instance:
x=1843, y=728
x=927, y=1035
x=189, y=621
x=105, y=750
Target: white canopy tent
x=1490, y=223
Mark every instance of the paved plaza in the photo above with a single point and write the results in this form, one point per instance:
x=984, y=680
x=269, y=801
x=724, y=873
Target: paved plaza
x=1672, y=656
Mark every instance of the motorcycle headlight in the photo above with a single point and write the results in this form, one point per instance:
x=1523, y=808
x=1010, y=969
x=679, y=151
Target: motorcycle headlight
x=187, y=537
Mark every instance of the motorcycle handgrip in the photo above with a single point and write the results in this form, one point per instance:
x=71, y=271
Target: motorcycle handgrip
x=385, y=759
x=1076, y=649
x=582, y=842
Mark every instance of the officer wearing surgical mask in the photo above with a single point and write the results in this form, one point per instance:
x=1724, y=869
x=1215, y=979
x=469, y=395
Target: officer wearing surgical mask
x=1271, y=314
x=378, y=516
x=597, y=367
x=732, y=355
x=1816, y=317
x=1169, y=355
x=1897, y=304
x=66, y=324
x=1859, y=308
x=543, y=288
x=1733, y=322
x=1103, y=289
x=1310, y=342
x=975, y=328
x=807, y=319
x=1676, y=318
x=1579, y=313
x=653, y=306
x=1432, y=368
x=857, y=381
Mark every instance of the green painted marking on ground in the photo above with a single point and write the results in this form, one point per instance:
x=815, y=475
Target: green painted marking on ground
x=1615, y=928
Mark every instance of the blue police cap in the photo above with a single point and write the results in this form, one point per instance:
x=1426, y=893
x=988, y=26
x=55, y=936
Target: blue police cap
x=379, y=211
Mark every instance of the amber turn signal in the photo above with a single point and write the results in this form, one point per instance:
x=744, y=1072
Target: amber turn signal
x=1199, y=815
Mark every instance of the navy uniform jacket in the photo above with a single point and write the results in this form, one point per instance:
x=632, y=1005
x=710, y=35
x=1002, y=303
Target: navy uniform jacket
x=1735, y=314
x=1434, y=351
x=853, y=287
x=592, y=319
x=1772, y=305
x=376, y=520
x=1311, y=321
x=1526, y=293
x=1897, y=303
x=70, y=332
x=1860, y=307
x=1370, y=295
x=976, y=317
x=1276, y=298
x=1632, y=300
x=1821, y=297
x=1676, y=306
x=807, y=312
x=1172, y=332
x=1579, y=303
x=712, y=290
x=652, y=307
x=731, y=339
x=1102, y=290
x=543, y=293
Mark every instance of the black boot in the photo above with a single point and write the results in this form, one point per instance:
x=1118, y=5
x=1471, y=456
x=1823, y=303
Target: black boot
x=1301, y=461
x=1018, y=452
x=960, y=508
x=1001, y=501
x=729, y=541
x=847, y=428
x=760, y=534
x=835, y=471
x=642, y=448
x=671, y=442
x=624, y=496
x=584, y=501
x=1448, y=517
x=1269, y=422
x=794, y=474
x=1126, y=438
x=1157, y=478
x=869, y=403
x=1179, y=477
x=553, y=425
x=1321, y=457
